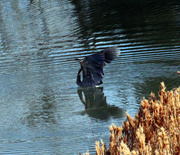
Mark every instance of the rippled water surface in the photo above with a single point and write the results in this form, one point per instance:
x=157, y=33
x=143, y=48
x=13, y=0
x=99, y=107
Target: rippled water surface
x=42, y=110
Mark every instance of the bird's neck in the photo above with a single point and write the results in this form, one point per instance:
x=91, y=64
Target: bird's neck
x=78, y=80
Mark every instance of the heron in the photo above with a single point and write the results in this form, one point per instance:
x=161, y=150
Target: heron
x=91, y=72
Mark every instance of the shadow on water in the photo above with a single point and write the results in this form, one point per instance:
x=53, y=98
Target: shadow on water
x=96, y=105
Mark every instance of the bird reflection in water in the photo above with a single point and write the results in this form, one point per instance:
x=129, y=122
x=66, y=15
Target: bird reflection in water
x=95, y=103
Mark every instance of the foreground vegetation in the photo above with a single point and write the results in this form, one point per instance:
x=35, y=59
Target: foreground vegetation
x=154, y=130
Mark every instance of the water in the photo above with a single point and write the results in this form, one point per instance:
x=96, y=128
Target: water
x=42, y=110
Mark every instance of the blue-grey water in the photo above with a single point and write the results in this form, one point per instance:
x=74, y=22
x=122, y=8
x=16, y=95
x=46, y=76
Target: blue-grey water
x=42, y=110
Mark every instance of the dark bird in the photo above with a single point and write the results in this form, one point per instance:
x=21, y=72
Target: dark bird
x=91, y=71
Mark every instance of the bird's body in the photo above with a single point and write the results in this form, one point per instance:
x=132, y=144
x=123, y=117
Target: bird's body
x=92, y=67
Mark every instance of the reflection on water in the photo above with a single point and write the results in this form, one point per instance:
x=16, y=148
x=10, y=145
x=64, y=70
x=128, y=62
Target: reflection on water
x=41, y=106
x=42, y=111
x=96, y=105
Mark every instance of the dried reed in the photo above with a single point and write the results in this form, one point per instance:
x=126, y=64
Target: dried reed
x=154, y=130
x=178, y=72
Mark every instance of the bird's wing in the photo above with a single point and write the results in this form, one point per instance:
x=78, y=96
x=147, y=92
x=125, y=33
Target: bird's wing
x=110, y=53
x=93, y=69
x=93, y=65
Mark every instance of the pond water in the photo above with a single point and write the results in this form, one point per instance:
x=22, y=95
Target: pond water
x=42, y=110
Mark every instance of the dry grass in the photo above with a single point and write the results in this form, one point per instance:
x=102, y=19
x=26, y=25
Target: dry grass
x=154, y=130
x=178, y=72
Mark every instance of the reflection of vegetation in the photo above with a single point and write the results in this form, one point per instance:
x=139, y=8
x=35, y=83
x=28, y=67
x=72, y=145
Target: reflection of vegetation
x=143, y=21
x=42, y=111
x=154, y=130
x=151, y=85
x=95, y=103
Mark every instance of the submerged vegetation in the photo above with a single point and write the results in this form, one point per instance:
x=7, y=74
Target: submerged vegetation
x=154, y=130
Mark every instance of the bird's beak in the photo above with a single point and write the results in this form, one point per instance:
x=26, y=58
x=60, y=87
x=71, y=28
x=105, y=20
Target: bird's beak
x=77, y=59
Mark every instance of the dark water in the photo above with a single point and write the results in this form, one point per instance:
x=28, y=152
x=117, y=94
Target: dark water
x=42, y=111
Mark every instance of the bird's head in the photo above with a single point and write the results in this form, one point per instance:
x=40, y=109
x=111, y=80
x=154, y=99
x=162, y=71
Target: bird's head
x=79, y=60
